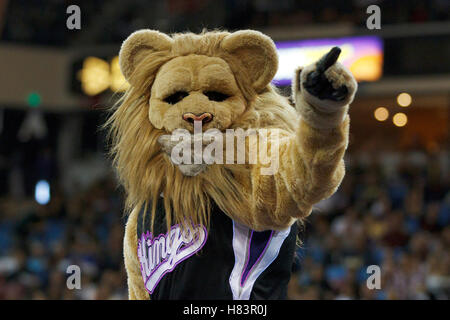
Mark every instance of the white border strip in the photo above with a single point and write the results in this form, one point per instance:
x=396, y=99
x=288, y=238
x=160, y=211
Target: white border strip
x=241, y=240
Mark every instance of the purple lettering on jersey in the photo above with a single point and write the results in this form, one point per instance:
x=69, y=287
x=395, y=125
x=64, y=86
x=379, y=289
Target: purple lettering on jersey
x=160, y=255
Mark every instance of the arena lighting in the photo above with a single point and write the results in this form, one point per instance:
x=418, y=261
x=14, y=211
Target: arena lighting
x=400, y=119
x=42, y=192
x=94, y=76
x=98, y=75
x=381, y=114
x=404, y=99
x=118, y=82
x=362, y=55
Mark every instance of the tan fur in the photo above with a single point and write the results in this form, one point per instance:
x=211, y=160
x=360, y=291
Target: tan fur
x=311, y=148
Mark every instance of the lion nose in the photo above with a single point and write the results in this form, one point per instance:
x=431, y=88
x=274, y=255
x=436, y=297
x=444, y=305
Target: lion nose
x=205, y=117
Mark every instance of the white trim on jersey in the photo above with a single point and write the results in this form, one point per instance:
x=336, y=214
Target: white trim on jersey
x=241, y=243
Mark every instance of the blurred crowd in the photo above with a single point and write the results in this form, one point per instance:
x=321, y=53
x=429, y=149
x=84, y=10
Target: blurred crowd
x=39, y=242
x=112, y=21
x=393, y=216
x=396, y=218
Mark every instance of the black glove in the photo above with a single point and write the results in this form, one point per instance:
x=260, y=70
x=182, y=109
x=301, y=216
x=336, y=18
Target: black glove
x=317, y=83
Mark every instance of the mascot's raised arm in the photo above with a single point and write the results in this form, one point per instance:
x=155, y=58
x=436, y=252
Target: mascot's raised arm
x=208, y=216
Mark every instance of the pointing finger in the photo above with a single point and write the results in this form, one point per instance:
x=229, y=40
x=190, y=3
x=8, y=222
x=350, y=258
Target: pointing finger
x=328, y=60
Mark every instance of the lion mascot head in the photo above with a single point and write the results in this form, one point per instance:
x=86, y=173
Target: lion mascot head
x=219, y=78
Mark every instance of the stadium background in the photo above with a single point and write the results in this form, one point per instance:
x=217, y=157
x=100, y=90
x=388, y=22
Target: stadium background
x=392, y=209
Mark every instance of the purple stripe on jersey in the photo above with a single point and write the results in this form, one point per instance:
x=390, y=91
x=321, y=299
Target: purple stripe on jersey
x=259, y=241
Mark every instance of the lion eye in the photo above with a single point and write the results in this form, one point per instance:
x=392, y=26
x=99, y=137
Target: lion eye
x=216, y=96
x=176, y=97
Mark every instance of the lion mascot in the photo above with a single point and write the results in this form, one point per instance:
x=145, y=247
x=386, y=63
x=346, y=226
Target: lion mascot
x=222, y=230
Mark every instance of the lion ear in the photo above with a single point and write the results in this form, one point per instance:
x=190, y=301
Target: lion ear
x=257, y=53
x=138, y=45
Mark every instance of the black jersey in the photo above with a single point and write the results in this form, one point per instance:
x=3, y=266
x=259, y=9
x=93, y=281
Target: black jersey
x=228, y=261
